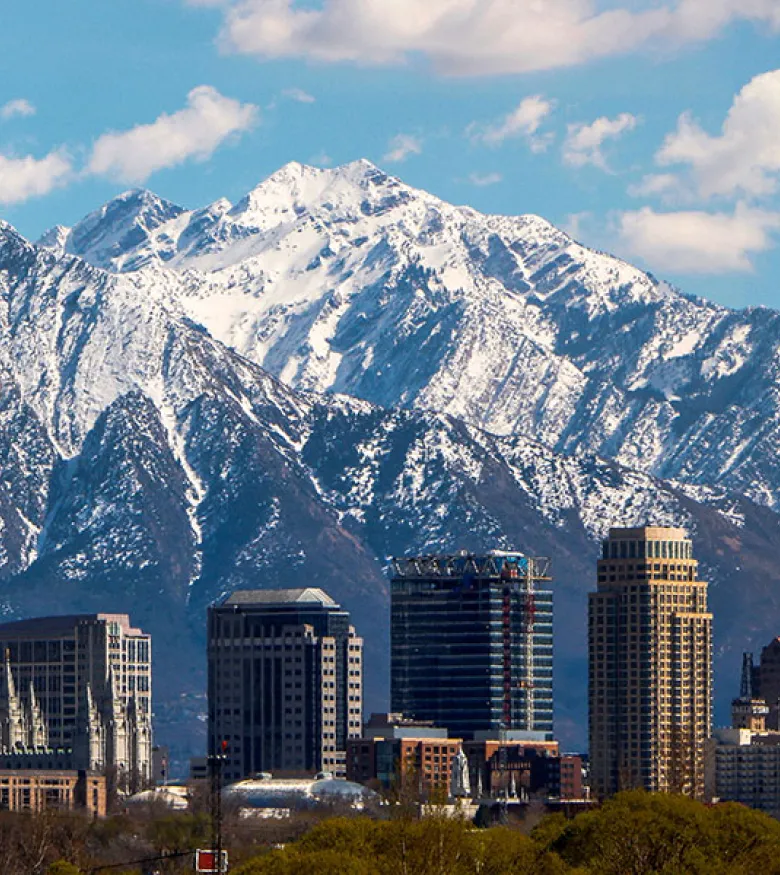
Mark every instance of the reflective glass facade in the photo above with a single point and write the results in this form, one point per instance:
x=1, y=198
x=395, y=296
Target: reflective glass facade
x=472, y=643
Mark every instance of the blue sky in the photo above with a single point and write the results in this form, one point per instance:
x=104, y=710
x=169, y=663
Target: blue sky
x=648, y=129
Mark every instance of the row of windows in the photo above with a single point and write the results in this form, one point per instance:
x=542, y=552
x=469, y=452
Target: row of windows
x=651, y=549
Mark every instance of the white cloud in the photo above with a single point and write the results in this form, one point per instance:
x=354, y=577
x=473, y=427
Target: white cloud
x=583, y=142
x=193, y=132
x=576, y=223
x=401, y=147
x=745, y=158
x=523, y=121
x=28, y=177
x=19, y=107
x=484, y=179
x=655, y=184
x=321, y=159
x=476, y=37
x=298, y=95
x=698, y=242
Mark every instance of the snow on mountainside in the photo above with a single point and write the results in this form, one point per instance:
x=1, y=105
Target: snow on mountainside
x=347, y=280
x=150, y=460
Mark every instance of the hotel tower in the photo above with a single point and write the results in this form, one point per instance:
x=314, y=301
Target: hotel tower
x=650, y=664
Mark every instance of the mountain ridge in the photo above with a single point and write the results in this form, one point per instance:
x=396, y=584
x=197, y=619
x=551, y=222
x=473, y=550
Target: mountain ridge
x=348, y=280
x=355, y=402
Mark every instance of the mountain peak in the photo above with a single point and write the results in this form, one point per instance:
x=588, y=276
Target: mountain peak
x=55, y=239
x=123, y=224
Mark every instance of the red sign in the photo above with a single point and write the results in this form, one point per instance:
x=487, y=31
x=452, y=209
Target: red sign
x=206, y=862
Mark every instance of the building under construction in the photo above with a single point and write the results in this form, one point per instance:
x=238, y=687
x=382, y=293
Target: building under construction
x=472, y=642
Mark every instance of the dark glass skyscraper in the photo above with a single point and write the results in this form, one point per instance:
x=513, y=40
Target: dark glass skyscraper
x=472, y=642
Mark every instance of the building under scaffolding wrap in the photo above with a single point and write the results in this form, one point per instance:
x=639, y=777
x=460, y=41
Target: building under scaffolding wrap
x=472, y=642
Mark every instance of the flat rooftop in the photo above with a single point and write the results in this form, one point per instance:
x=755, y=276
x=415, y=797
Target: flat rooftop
x=62, y=624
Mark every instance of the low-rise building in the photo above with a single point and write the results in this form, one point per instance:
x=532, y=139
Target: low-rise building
x=744, y=766
x=393, y=749
x=510, y=764
x=53, y=790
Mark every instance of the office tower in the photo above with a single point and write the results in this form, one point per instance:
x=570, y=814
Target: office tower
x=766, y=682
x=285, y=682
x=80, y=683
x=471, y=643
x=650, y=674
x=748, y=711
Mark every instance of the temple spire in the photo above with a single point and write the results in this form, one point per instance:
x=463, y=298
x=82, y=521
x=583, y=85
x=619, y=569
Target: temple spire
x=39, y=735
x=9, y=687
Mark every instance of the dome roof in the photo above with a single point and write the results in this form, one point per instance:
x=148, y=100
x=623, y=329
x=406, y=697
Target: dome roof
x=296, y=792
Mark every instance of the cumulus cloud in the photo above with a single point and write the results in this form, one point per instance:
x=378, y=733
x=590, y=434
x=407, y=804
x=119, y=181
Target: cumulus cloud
x=698, y=242
x=19, y=107
x=298, y=95
x=484, y=179
x=583, y=142
x=745, y=158
x=194, y=132
x=28, y=177
x=656, y=185
x=475, y=37
x=524, y=121
x=401, y=147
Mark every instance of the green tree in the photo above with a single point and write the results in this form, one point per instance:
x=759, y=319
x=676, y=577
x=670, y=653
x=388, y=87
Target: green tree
x=62, y=867
x=294, y=862
x=638, y=833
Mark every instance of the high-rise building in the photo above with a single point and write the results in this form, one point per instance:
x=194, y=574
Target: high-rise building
x=766, y=682
x=650, y=658
x=285, y=682
x=471, y=643
x=83, y=684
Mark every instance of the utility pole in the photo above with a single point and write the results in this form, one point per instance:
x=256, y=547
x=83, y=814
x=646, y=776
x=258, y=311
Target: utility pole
x=216, y=762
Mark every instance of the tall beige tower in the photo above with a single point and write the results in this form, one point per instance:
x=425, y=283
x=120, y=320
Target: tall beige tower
x=650, y=664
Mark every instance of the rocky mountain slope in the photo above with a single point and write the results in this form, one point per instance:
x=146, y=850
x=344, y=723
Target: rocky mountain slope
x=167, y=434
x=347, y=280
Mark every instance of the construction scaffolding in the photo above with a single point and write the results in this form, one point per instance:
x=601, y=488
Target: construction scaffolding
x=508, y=602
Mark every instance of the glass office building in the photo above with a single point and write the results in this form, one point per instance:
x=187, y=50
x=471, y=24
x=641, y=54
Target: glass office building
x=472, y=642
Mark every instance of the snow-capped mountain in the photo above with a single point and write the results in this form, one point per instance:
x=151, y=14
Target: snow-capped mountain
x=339, y=369
x=347, y=280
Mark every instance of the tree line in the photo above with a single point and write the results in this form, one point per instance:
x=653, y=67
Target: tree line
x=635, y=833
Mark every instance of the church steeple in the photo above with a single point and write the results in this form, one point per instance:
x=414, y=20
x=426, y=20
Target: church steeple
x=38, y=731
x=88, y=743
x=12, y=720
x=116, y=728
